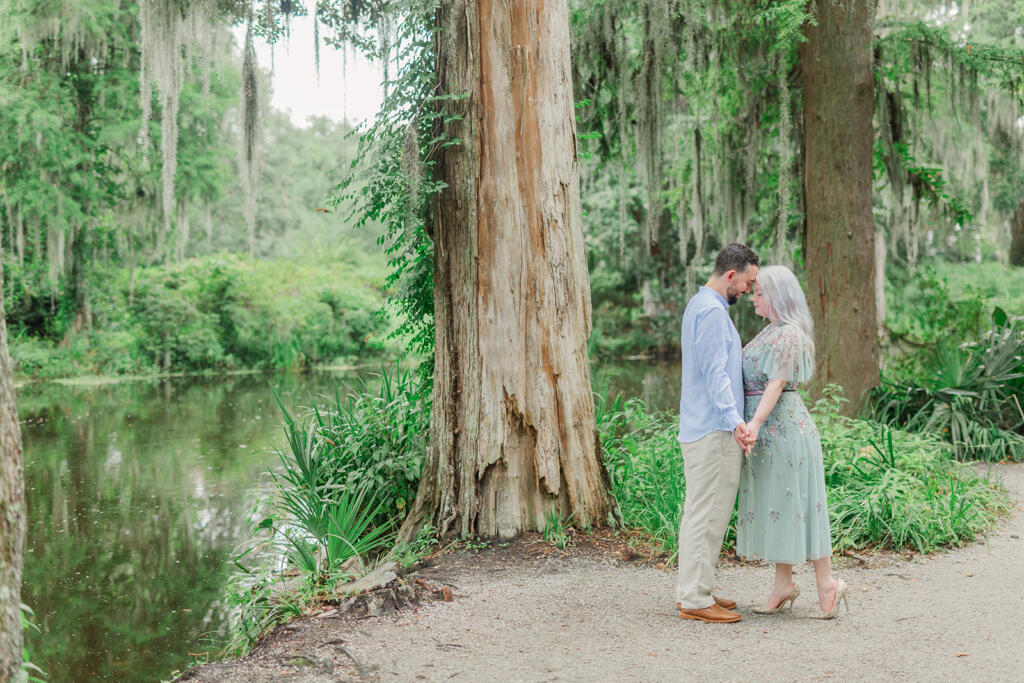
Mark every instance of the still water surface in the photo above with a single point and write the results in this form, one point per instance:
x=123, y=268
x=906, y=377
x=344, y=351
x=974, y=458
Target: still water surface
x=139, y=491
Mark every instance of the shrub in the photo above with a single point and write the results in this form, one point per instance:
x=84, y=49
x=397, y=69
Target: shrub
x=968, y=395
x=347, y=475
x=886, y=488
x=645, y=468
x=923, y=311
x=210, y=313
x=363, y=454
x=894, y=489
x=378, y=436
x=40, y=358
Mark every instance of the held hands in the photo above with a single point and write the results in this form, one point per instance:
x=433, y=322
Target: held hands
x=746, y=434
x=753, y=427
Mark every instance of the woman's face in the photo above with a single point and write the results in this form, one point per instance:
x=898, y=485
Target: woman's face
x=760, y=302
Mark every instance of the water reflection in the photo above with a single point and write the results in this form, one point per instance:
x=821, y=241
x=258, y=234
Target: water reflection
x=139, y=491
x=656, y=383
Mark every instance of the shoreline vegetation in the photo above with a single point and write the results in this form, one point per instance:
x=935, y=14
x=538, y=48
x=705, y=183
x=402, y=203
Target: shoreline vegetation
x=211, y=314
x=335, y=304
x=351, y=467
x=895, y=476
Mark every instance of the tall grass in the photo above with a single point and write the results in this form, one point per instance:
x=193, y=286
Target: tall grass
x=887, y=489
x=641, y=455
x=893, y=489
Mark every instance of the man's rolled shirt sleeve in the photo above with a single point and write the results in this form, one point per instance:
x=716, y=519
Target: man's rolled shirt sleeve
x=711, y=339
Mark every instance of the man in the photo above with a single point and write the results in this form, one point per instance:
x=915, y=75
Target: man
x=712, y=433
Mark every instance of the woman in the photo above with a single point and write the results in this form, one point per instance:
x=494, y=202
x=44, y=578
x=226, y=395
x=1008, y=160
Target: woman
x=783, y=515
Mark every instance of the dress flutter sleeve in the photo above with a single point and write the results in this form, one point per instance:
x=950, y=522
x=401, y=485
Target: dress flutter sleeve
x=787, y=356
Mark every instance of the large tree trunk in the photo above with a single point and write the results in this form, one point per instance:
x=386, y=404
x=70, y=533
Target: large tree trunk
x=512, y=429
x=1017, y=237
x=12, y=515
x=839, y=251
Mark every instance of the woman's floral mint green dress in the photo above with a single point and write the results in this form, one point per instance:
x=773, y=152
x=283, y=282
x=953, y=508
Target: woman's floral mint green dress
x=782, y=515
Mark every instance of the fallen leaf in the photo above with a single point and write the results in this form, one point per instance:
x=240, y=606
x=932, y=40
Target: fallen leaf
x=963, y=654
x=863, y=589
x=969, y=574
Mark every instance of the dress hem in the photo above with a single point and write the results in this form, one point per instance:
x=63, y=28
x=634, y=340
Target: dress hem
x=777, y=561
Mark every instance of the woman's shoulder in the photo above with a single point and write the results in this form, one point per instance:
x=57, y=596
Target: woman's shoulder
x=785, y=331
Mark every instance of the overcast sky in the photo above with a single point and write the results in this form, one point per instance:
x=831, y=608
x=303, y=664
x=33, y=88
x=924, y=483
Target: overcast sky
x=356, y=96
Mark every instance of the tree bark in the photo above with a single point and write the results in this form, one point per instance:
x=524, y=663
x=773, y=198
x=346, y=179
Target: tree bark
x=513, y=435
x=839, y=238
x=1017, y=237
x=12, y=515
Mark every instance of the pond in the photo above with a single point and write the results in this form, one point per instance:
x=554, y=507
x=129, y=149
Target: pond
x=138, y=494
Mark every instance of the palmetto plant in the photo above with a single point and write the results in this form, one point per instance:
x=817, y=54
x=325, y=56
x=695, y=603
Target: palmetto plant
x=324, y=531
x=375, y=435
x=326, y=520
x=970, y=395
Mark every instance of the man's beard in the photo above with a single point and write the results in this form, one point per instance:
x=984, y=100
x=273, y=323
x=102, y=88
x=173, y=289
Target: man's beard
x=733, y=298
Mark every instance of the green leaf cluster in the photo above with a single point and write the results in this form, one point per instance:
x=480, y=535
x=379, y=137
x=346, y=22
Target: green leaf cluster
x=887, y=488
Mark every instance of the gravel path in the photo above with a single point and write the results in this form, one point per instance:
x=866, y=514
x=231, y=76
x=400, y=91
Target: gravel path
x=954, y=615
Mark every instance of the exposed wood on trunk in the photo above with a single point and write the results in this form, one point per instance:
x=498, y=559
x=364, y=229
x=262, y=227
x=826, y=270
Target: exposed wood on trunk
x=512, y=430
x=838, y=80
x=12, y=515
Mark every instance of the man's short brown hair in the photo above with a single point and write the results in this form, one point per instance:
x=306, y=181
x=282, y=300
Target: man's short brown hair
x=736, y=257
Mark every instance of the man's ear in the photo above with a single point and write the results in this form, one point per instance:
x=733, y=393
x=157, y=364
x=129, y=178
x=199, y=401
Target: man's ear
x=730, y=275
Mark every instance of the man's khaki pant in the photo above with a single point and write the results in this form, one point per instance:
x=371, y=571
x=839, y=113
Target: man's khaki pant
x=711, y=466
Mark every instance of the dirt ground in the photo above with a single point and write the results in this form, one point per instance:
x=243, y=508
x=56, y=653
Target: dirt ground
x=528, y=611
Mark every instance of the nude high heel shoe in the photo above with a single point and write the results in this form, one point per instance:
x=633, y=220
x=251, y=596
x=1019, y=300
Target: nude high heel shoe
x=841, y=591
x=783, y=607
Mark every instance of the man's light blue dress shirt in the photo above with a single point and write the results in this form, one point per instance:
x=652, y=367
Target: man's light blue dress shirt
x=712, y=389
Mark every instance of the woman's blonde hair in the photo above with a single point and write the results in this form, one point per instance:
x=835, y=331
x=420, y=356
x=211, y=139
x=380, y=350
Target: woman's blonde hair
x=786, y=301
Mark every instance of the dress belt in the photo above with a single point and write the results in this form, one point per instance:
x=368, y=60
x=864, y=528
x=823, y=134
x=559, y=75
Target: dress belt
x=760, y=393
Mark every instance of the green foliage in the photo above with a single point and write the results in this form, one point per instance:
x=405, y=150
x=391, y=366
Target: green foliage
x=641, y=455
x=893, y=489
x=375, y=436
x=347, y=475
x=556, y=530
x=326, y=525
x=968, y=394
x=887, y=488
x=219, y=313
x=27, y=666
x=997, y=62
x=923, y=311
x=408, y=554
x=392, y=175
x=955, y=362
x=947, y=90
x=259, y=602
x=997, y=283
x=78, y=187
x=688, y=143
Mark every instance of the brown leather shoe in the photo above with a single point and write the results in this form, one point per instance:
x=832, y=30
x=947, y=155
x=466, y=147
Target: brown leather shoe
x=713, y=614
x=724, y=603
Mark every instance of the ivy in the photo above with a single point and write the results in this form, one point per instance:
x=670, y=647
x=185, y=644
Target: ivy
x=392, y=180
